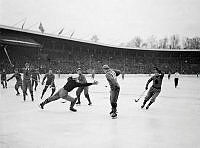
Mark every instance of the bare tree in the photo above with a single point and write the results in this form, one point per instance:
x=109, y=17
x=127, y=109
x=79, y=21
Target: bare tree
x=191, y=43
x=151, y=42
x=174, y=42
x=95, y=38
x=163, y=43
x=135, y=42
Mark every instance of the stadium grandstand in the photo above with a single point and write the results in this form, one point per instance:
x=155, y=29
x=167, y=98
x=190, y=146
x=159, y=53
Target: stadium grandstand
x=44, y=51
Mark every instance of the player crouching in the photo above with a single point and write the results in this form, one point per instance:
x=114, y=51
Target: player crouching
x=63, y=93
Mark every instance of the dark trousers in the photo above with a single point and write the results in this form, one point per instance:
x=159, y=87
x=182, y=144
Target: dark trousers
x=80, y=90
x=4, y=83
x=114, y=94
x=176, y=82
x=34, y=82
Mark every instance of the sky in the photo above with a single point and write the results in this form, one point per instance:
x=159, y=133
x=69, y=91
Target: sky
x=113, y=21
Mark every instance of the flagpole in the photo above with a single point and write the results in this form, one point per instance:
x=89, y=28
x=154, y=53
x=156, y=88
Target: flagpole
x=19, y=22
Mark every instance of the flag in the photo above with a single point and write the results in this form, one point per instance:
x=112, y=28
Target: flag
x=23, y=25
x=41, y=28
x=71, y=34
x=60, y=31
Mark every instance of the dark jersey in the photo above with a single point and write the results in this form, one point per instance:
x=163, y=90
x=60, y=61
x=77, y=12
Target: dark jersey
x=111, y=76
x=26, y=74
x=157, y=81
x=82, y=79
x=35, y=75
x=3, y=76
x=70, y=85
x=50, y=78
x=17, y=76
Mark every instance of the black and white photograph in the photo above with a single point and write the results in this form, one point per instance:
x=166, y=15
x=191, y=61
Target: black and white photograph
x=99, y=73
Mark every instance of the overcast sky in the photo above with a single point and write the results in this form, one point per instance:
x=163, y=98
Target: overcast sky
x=114, y=21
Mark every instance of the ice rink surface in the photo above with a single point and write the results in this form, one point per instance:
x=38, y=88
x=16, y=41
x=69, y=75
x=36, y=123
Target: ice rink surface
x=173, y=121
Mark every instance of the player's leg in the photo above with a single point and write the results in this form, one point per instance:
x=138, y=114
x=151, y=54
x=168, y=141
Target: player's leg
x=78, y=94
x=113, y=101
x=32, y=82
x=148, y=96
x=20, y=85
x=44, y=90
x=87, y=95
x=2, y=83
x=65, y=96
x=176, y=82
x=56, y=96
x=5, y=83
x=153, y=98
x=24, y=86
x=53, y=89
x=16, y=88
x=36, y=84
x=30, y=90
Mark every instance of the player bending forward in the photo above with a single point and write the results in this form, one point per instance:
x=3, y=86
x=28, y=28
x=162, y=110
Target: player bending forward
x=155, y=89
x=111, y=76
x=63, y=93
x=18, y=84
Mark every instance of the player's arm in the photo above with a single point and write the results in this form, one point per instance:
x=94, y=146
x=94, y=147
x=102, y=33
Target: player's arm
x=151, y=79
x=11, y=77
x=118, y=72
x=85, y=84
x=45, y=76
x=161, y=73
x=110, y=78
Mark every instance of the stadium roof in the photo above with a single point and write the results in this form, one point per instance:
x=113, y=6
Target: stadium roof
x=90, y=42
x=17, y=40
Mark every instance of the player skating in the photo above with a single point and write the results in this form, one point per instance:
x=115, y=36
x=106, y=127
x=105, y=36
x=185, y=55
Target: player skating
x=82, y=79
x=35, y=78
x=18, y=84
x=155, y=89
x=3, y=78
x=26, y=83
x=63, y=93
x=49, y=82
x=176, y=78
x=111, y=76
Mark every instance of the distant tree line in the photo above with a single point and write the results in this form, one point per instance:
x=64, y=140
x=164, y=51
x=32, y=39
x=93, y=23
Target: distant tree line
x=172, y=42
